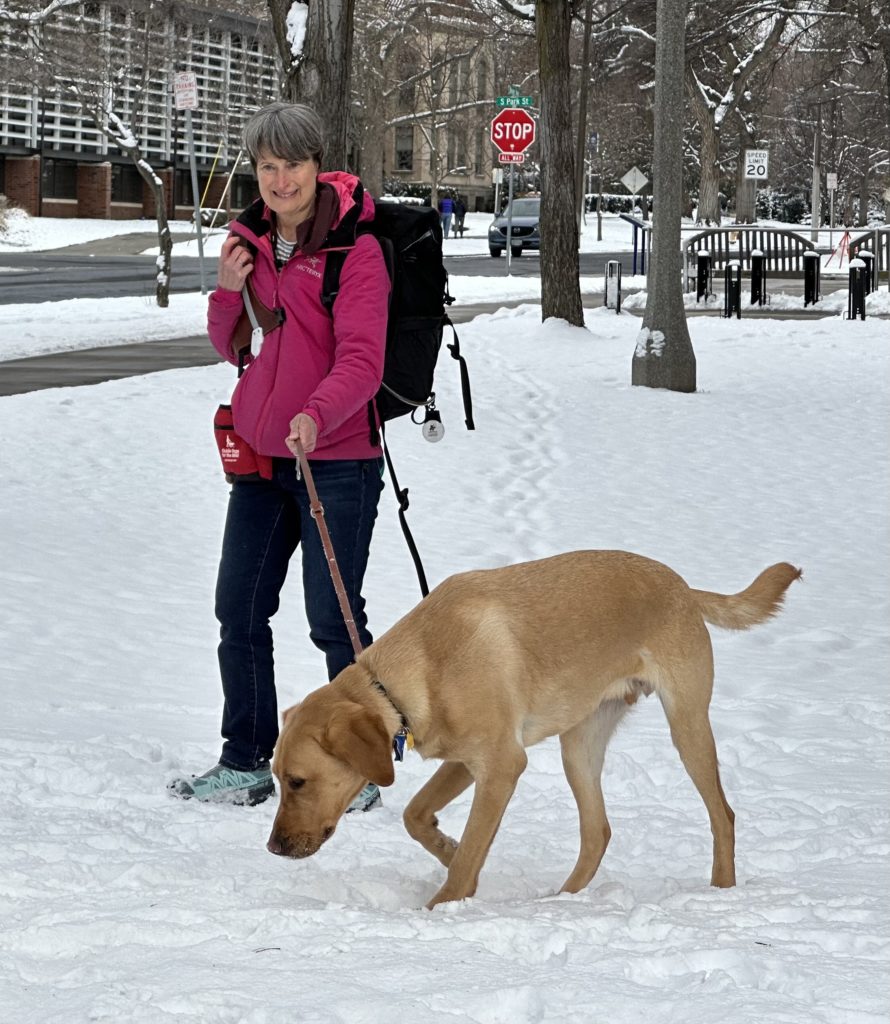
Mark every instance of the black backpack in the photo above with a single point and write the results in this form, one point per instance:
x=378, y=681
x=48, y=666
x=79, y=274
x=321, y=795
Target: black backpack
x=411, y=240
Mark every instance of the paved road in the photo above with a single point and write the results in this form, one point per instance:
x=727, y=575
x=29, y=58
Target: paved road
x=110, y=268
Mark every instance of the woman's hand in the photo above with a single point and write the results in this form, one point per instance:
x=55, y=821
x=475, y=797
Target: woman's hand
x=304, y=429
x=235, y=264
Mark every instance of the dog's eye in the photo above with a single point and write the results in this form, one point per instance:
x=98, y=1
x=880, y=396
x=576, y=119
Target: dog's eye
x=294, y=783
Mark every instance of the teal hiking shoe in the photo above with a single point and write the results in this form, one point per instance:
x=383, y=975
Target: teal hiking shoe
x=367, y=800
x=227, y=785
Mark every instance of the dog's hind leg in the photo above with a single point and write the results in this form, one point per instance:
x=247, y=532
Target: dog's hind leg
x=446, y=784
x=583, y=751
x=686, y=708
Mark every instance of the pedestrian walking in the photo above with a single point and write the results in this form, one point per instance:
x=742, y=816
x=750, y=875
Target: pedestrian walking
x=460, y=211
x=446, y=211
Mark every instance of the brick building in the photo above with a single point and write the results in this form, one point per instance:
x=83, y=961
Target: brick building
x=53, y=159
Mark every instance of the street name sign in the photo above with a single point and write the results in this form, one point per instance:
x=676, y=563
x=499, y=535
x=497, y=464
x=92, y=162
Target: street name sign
x=514, y=101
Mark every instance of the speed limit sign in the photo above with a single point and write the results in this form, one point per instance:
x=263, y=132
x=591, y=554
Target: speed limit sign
x=756, y=163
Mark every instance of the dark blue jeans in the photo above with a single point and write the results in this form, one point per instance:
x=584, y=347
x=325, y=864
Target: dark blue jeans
x=266, y=521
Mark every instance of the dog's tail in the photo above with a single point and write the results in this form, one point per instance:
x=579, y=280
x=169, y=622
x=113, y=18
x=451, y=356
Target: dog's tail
x=752, y=606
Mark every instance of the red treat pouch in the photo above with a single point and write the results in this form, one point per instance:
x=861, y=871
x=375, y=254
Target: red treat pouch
x=238, y=458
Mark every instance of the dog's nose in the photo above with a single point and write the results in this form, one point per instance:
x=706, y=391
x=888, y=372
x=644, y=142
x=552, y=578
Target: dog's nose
x=275, y=845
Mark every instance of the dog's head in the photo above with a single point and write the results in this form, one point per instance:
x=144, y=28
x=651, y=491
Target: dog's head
x=328, y=749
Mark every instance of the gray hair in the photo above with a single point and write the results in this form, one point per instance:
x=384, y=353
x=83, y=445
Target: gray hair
x=288, y=131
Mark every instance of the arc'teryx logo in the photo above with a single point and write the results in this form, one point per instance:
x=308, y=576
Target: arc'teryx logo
x=308, y=266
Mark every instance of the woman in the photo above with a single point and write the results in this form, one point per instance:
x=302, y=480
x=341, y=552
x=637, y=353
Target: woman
x=312, y=381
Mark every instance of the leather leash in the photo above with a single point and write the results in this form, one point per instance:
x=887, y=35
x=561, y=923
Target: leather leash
x=404, y=737
x=317, y=511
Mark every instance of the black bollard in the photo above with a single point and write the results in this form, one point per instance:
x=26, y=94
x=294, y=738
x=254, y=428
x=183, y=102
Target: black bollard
x=856, y=297
x=703, y=275
x=732, y=295
x=758, y=278
x=612, y=291
x=812, y=265
x=868, y=258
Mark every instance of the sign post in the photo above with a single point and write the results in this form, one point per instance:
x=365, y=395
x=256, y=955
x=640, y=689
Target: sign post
x=497, y=179
x=512, y=132
x=185, y=92
x=831, y=182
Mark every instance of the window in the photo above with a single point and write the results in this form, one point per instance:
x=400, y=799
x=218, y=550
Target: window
x=126, y=184
x=461, y=78
x=481, y=151
x=59, y=179
x=482, y=79
x=244, y=190
x=407, y=91
x=437, y=76
x=405, y=148
x=457, y=151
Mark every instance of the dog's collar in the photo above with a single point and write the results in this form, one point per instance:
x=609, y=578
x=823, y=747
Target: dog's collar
x=404, y=737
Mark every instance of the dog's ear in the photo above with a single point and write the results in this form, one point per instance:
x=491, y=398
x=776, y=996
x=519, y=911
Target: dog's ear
x=287, y=713
x=360, y=739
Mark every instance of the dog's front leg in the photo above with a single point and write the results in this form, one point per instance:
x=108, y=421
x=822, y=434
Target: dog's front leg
x=495, y=784
x=448, y=782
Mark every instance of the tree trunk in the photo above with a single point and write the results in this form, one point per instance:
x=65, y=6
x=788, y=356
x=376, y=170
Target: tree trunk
x=709, y=187
x=560, y=281
x=863, y=191
x=664, y=357
x=583, y=90
x=371, y=139
x=319, y=75
x=164, y=262
x=371, y=169
x=745, y=188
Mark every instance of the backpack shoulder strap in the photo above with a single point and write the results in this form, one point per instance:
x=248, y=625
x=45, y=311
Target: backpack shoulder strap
x=333, y=267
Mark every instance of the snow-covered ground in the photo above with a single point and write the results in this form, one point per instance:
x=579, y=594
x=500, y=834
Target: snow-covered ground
x=119, y=904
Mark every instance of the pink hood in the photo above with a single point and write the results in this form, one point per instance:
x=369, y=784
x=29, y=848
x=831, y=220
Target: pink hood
x=327, y=367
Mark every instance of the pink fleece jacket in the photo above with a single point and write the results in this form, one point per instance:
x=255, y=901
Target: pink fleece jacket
x=326, y=367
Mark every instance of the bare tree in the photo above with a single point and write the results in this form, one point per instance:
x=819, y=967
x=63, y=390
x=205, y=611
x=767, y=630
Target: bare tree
x=316, y=68
x=731, y=42
x=664, y=357
x=417, y=66
x=874, y=17
x=85, y=75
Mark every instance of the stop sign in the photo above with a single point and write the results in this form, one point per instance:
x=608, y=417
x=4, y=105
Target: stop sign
x=513, y=130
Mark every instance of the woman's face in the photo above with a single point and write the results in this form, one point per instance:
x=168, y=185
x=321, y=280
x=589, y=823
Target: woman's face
x=287, y=187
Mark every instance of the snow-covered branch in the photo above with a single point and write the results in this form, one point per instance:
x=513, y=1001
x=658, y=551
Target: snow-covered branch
x=7, y=13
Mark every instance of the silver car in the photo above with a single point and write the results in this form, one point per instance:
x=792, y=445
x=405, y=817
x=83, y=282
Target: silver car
x=525, y=233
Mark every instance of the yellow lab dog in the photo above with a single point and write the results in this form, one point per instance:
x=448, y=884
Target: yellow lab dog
x=497, y=660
